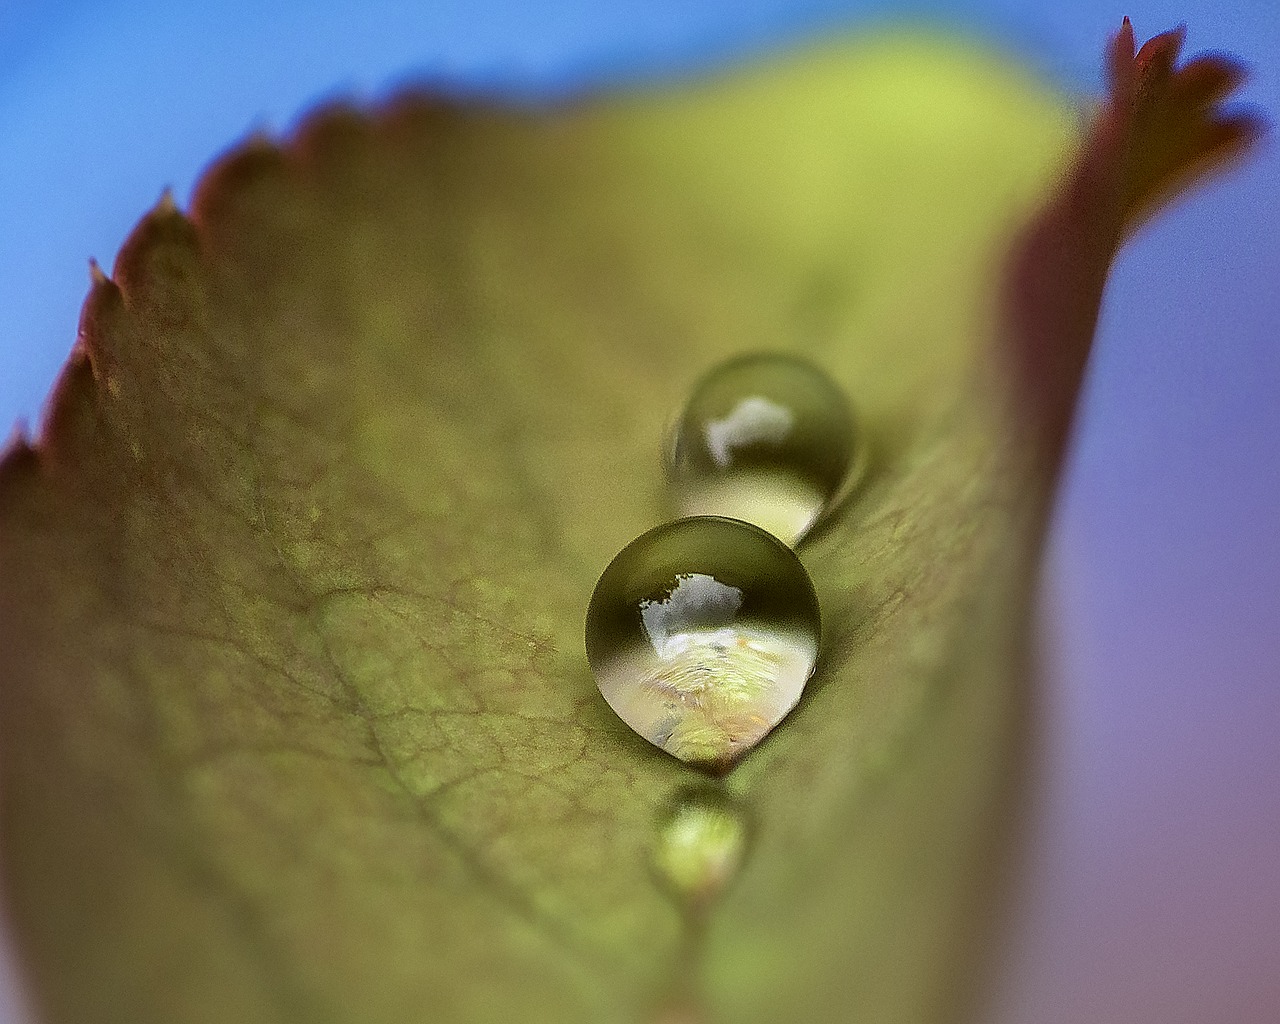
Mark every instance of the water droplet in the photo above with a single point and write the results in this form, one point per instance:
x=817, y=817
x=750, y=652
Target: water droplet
x=702, y=839
x=769, y=439
x=701, y=634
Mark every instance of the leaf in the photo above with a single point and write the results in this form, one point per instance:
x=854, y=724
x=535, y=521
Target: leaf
x=297, y=724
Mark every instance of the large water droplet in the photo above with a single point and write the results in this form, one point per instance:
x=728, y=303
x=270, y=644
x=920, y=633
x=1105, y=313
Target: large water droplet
x=701, y=842
x=766, y=438
x=701, y=634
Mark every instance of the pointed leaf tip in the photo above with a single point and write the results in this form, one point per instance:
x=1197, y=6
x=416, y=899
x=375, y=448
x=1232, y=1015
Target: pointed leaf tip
x=1160, y=129
x=1120, y=60
x=1172, y=123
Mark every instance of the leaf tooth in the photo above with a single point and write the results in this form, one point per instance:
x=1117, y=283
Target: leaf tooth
x=73, y=415
x=256, y=165
x=158, y=263
x=1119, y=61
x=18, y=460
x=1208, y=79
x=104, y=305
x=166, y=203
x=107, y=335
x=334, y=128
x=1159, y=53
x=259, y=138
x=420, y=114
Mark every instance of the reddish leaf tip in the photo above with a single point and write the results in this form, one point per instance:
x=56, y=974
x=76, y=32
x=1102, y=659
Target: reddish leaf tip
x=96, y=275
x=1175, y=132
x=1159, y=131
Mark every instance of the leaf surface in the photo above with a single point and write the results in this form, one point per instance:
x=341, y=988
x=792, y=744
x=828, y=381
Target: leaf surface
x=297, y=724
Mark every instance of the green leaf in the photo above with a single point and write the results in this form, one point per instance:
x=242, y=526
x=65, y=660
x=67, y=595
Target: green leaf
x=297, y=724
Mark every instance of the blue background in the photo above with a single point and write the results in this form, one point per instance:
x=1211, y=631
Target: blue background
x=1154, y=891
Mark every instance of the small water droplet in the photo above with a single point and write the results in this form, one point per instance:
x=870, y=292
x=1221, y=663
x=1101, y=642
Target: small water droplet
x=701, y=635
x=701, y=843
x=769, y=439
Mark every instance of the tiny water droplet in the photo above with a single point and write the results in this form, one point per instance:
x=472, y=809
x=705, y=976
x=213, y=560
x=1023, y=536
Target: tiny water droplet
x=701, y=635
x=701, y=842
x=769, y=439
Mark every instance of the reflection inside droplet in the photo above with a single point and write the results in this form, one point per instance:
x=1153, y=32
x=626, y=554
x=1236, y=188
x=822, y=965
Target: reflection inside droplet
x=701, y=635
x=769, y=439
x=753, y=421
